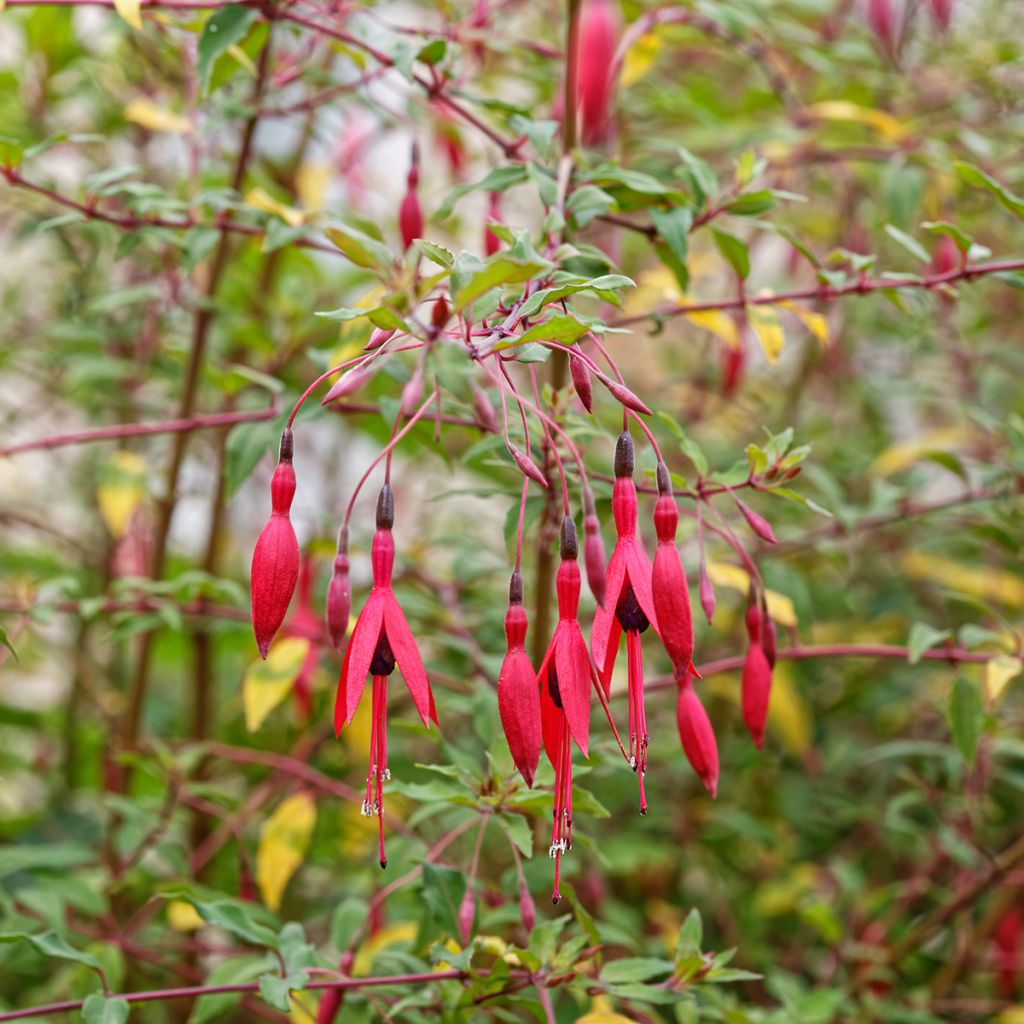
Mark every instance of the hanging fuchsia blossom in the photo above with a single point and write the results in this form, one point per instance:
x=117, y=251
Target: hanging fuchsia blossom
x=518, y=698
x=410, y=213
x=598, y=35
x=757, y=673
x=696, y=735
x=380, y=641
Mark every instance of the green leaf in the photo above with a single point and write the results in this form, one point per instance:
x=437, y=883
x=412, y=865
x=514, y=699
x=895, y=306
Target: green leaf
x=673, y=227
x=11, y=152
x=912, y=245
x=689, y=447
x=98, y=1009
x=560, y=328
x=438, y=253
x=443, y=889
x=52, y=945
x=433, y=52
x=966, y=717
x=244, y=920
x=500, y=269
x=751, y=204
x=359, y=247
x=345, y=922
x=635, y=968
x=943, y=227
x=234, y=971
x=276, y=991
x=499, y=180
x=519, y=832
x=6, y=641
x=922, y=637
x=734, y=251
x=588, y=202
x=691, y=935
x=223, y=29
x=700, y=177
x=976, y=176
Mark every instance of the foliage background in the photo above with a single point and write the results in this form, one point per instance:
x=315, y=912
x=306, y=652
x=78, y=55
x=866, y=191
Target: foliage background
x=864, y=867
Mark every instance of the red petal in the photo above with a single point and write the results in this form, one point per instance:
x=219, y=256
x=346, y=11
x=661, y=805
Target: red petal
x=550, y=716
x=672, y=603
x=638, y=568
x=275, y=571
x=572, y=663
x=356, y=664
x=697, y=736
x=519, y=706
x=757, y=689
x=603, y=644
x=407, y=655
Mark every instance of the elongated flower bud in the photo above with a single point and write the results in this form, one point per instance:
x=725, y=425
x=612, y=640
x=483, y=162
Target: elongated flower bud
x=527, y=907
x=733, y=362
x=275, y=561
x=882, y=21
x=350, y=382
x=484, y=411
x=942, y=12
x=412, y=393
x=518, y=697
x=527, y=466
x=581, y=379
x=757, y=688
x=768, y=638
x=946, y=257
x=624, y=395
x=756, y=522
x=753, y=619
x=467, y=912
x=594, y=560
x=697, y=736
x=440, y=313
x=707, y=592
x=492, y=243
x=410, y=215
x=598, y=33
x=339, y=593
x=668, y=582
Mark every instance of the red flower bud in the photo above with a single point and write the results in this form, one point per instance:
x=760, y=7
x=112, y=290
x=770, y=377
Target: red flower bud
x=753, y=620
x=1007, y=939
x=757, y=688
x=527, y=466
x=518, y=697
x=697, y=736
x=768, y=638
x=378, y=338
x=707, y=592
x=439, y=314
x=410, y=216
x=350, y=382
x=467, y=912
x=339, y=593
x=733, y=360
x=492, y=243
x=946, y=257
x=412, y=393
x=593, y=553
x=942, y=12
x=756, y=522
x=598, y=34
x=484, y=411
x=669, y=587
x=882, y=21
x=581, y=379
x=624, y=395
x=527, y=908
x=275, y=561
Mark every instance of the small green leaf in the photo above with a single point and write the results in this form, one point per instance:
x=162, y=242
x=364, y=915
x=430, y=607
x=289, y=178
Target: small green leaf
x=673, y=227
x=51, y=944
x=922, y=637
x=966, y=717
x=345, y=922
x=223, y=29
x=912, y=245
x=976, y=176
x=6, y=641
x=98, y=1009
x=360, y=248
x=734, y=251
x=691, y=935
x=635, y=968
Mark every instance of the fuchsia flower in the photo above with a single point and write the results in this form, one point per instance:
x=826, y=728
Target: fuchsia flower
x=757, y=672
x=565, y=677
x=598, y=35
x=381, y=639
x=669, y=589
x=275, y=560
x=629, y=606
x=410, y=214
x=697, y=736
x=518, y=696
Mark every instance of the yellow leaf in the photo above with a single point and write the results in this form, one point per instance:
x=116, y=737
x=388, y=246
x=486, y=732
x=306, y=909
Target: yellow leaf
x=899, y=456
x=765, y=322
x=992, y=584
x=789, y=715
x=814, y=322
x=1011, y=1015
x=267, y=683
x=284, y=840
x=603, y=1016
x=311, y=183
x=780, y=607
x=146, y=113
x=262, y=200
x=131, y=11
x=720, y=324
x=640, y=58
x=842, y=110
x=384, y=938
x=998, y=673
x=244, y=59
x=122, y=488
x=453, y=947
x=183, y=917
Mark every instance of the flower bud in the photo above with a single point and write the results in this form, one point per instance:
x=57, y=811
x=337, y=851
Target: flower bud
x=624, y=395
x=467, y=912
x=484, y=411
x=707, y=592
x=492, y=243
x=669, y=589
x=412, y=393
x=594, y=560
x=598, y=35
x=527, y=907
x=756, y=522
x=697, y=736
x=581, y=379
x=756, y=692
x=350, y=382
x=527, y=466
x=439, y=314
x=882, y=21
x=275, y=560
x=339, y=593
x=410, y=215
x=942, y=13
x=378, y=338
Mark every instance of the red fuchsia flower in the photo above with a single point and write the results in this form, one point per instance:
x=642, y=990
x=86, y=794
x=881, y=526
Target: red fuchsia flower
x=628, y=606
x=581, y=378
x=595, y=58
x=380, y=641
x=275, y=560
x=410, y=215
x=564, y=679
x=518, y=697
x=669, y=589
x=757, y=673
x=697, y=736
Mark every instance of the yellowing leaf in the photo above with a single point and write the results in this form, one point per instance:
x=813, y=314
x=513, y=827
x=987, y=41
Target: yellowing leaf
x=604, y=1016
x=267, y=683
x=899, y=456
x=389, y=935
x=453, y=947
x=244, y=59
x=131, y=11
x=780, y=607
x=1011, y=1015
x=789, y=714
x=145, y=112
x=639, y=59
x=122, y=488
x=183, y=917
x=311, y=181
x=768, y=328
x=262, y=200
x=842, y=110
x=996, y=585
x=998, y=673
x=720, y=324
x=814, y=322
x=284, y=840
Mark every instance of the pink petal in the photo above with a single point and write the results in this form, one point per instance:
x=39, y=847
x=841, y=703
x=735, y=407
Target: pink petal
x=519, y=707
x=356, y=663
x=407, y=656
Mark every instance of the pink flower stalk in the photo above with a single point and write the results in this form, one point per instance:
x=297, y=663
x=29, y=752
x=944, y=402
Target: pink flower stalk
x=628, y=606
x=518, y=697
x=697, y=736
x=380, y=641
x=564, y=679
x=595, y=58
x=275, y=560
x=410, y=214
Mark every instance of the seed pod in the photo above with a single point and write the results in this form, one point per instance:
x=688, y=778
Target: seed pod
x=492, y=243
x=707, y=592
x=527, y=466
x=598, y=34
x=484, y=411
x=410, y=215
x=594, y=560
x=350, y=382
x=756, y=522
x=581, y=379
x=275, y=560
x=339, y=593
x=378, y=338
x=757, y=688
x=697, y=736
x=624, y=395
x=467, y=912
